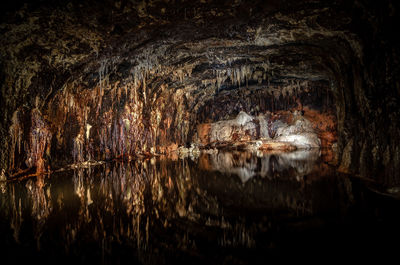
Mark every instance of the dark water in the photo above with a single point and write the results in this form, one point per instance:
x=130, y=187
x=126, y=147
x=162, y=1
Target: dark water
x=225, y=208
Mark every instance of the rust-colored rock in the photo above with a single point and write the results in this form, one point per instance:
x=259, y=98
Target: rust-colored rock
x=280, y=146
x=203, y=133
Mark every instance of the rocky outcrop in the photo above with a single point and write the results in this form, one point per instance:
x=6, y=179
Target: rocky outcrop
x=280, y=131
x=300, y=133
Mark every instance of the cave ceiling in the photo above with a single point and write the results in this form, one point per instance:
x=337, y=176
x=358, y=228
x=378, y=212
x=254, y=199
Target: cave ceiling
x=78, y=70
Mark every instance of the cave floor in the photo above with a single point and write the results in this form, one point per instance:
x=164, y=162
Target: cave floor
x=226, y=207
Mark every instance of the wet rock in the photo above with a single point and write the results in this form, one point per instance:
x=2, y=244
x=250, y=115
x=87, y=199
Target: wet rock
x=148, y=81
x=302, y=140
x=244, y=131
x=276, y=145
x=263, y=121
x=243, y=119
x=300, y=133
x=346, y=161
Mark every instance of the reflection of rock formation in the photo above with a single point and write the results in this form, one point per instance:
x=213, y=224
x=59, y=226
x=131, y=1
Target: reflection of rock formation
x=301, y=161
x=39, y=194
x=247, y=165
x=156, y=206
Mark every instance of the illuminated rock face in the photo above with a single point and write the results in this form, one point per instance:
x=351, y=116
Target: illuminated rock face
x=271, y=134
x=84, y=81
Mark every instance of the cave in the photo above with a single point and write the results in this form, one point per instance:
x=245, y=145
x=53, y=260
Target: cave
x=211, y=131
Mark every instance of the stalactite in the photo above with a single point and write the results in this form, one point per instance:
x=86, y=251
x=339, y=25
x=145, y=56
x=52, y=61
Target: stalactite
x=16, y=132
x=39, y=141
x=78, y=147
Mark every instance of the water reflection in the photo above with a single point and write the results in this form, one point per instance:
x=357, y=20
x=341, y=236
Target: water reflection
x=158, y=211
x=248, y=165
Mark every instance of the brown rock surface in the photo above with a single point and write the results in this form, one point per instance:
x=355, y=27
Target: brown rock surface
x=143, y=75
x=280, y=146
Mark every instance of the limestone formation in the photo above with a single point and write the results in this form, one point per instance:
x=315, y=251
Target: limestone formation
x=90, y=81
x=262, y=133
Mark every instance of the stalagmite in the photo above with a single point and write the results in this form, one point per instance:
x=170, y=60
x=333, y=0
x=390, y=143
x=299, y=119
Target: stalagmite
x=88, y=127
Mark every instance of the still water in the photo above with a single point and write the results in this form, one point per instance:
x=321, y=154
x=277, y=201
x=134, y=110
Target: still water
x=218, y=208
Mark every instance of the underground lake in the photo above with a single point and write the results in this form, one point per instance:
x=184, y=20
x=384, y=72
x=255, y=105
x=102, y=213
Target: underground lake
x=199, y=132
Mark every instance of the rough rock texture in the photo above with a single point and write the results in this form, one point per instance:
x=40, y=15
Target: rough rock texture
x=84, y=80
x=294, y=132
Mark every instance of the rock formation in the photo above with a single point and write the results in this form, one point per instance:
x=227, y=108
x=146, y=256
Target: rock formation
x=262, y=133
x=84, y=81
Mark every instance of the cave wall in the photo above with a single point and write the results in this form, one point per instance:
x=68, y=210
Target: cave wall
x=84, y=80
